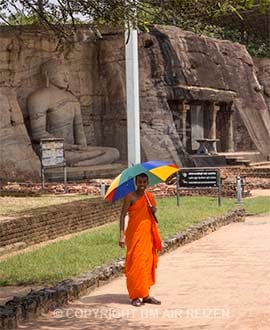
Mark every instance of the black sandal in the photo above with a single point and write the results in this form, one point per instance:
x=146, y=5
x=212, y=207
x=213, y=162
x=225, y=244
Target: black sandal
x=136, y=302
x=151, y=300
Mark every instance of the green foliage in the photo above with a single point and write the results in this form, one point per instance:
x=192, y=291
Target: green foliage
x=196, y=15
x=54, y=14
x=22, y=19
x=257, y=47
x=258, y=50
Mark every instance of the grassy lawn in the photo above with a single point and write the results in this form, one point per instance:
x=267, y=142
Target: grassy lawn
x=13, y=205
x=191, y=211
x=257, y=205
x=81, y=253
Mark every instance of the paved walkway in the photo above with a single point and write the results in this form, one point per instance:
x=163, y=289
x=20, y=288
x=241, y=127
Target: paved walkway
x=221, y=281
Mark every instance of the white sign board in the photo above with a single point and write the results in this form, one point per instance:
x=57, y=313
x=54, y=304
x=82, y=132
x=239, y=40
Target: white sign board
x=52, y=153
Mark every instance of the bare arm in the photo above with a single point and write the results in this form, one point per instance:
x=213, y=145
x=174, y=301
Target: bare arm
x=125, y=207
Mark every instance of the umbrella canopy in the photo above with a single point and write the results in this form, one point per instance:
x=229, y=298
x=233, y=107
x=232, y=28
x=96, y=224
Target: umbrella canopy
x=124, y=183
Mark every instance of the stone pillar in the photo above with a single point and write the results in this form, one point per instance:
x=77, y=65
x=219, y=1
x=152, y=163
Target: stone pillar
x=197, y=126
x=213, y=124
x=229, y=142
x=183, y=108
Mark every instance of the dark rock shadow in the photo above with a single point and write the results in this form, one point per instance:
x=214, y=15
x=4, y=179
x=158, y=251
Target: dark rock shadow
x=106, y=299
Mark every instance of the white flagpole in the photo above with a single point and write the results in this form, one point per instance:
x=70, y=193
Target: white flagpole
x=132, y=98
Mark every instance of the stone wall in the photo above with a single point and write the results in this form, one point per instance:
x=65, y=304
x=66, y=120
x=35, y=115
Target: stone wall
x=48, y=223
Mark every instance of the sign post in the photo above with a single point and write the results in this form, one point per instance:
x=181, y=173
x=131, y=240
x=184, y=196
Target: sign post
x=52, y=156
x=219, y=188
x=177, y=188
x=200, y=178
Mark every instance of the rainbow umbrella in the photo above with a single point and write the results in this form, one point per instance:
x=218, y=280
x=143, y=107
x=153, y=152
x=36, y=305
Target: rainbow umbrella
x=124, y=183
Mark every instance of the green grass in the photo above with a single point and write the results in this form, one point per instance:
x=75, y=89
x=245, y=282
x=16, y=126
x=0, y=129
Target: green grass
x=63, y=259
x=257, y=205
x=191, y=211
x=15, y=205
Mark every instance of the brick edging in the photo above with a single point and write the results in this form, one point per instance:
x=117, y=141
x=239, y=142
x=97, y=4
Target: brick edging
x=47, y=223
x=27, y=307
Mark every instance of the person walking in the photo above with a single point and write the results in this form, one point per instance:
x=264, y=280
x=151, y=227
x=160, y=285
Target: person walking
x=142, y=241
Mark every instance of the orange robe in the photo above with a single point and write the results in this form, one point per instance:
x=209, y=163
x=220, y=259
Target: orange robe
x=142, y=243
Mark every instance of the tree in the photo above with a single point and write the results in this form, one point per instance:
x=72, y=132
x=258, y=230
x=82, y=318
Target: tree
x=55, y=14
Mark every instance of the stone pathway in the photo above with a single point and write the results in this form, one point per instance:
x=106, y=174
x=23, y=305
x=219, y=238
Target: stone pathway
x=221, y=281
x=8, y=292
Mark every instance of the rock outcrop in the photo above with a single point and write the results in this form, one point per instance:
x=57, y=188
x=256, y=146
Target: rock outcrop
x=263, y=74
x=17, y=158
x=204, y=69
x=175, y=65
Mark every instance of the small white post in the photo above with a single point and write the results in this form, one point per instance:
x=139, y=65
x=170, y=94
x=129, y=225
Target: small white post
x=238, y=190
x=102, y=189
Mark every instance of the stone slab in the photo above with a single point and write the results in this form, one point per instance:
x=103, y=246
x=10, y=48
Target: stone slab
x=84, y=173
x=209, y=161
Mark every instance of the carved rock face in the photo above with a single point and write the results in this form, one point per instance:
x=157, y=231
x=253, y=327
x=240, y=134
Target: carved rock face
x=56, y=72
x=55, y=112
x=263, y=73
x=174, y=65
x=17, y=158
x=60, y=80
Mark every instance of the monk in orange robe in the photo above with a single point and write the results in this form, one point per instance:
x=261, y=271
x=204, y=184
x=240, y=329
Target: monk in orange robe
x=142, y=241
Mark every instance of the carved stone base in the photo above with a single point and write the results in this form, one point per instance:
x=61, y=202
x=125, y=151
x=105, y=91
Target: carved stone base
x=209, y=160
x=85, y=173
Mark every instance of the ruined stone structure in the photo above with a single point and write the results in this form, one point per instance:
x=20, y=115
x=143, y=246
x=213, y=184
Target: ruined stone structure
x=191, y=88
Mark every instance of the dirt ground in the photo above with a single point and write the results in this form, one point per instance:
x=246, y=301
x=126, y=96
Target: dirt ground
x=260, y=192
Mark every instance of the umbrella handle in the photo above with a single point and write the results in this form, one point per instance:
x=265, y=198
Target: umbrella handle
x=150, y=205
x=148, y=200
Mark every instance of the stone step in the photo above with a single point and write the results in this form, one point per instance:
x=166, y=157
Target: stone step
x=243, y=161
x=238, y=161
x=260, y=164
x=108, y=171
x=234, y=157
x=232, y=161
x=234, y=153
x=253, y=156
